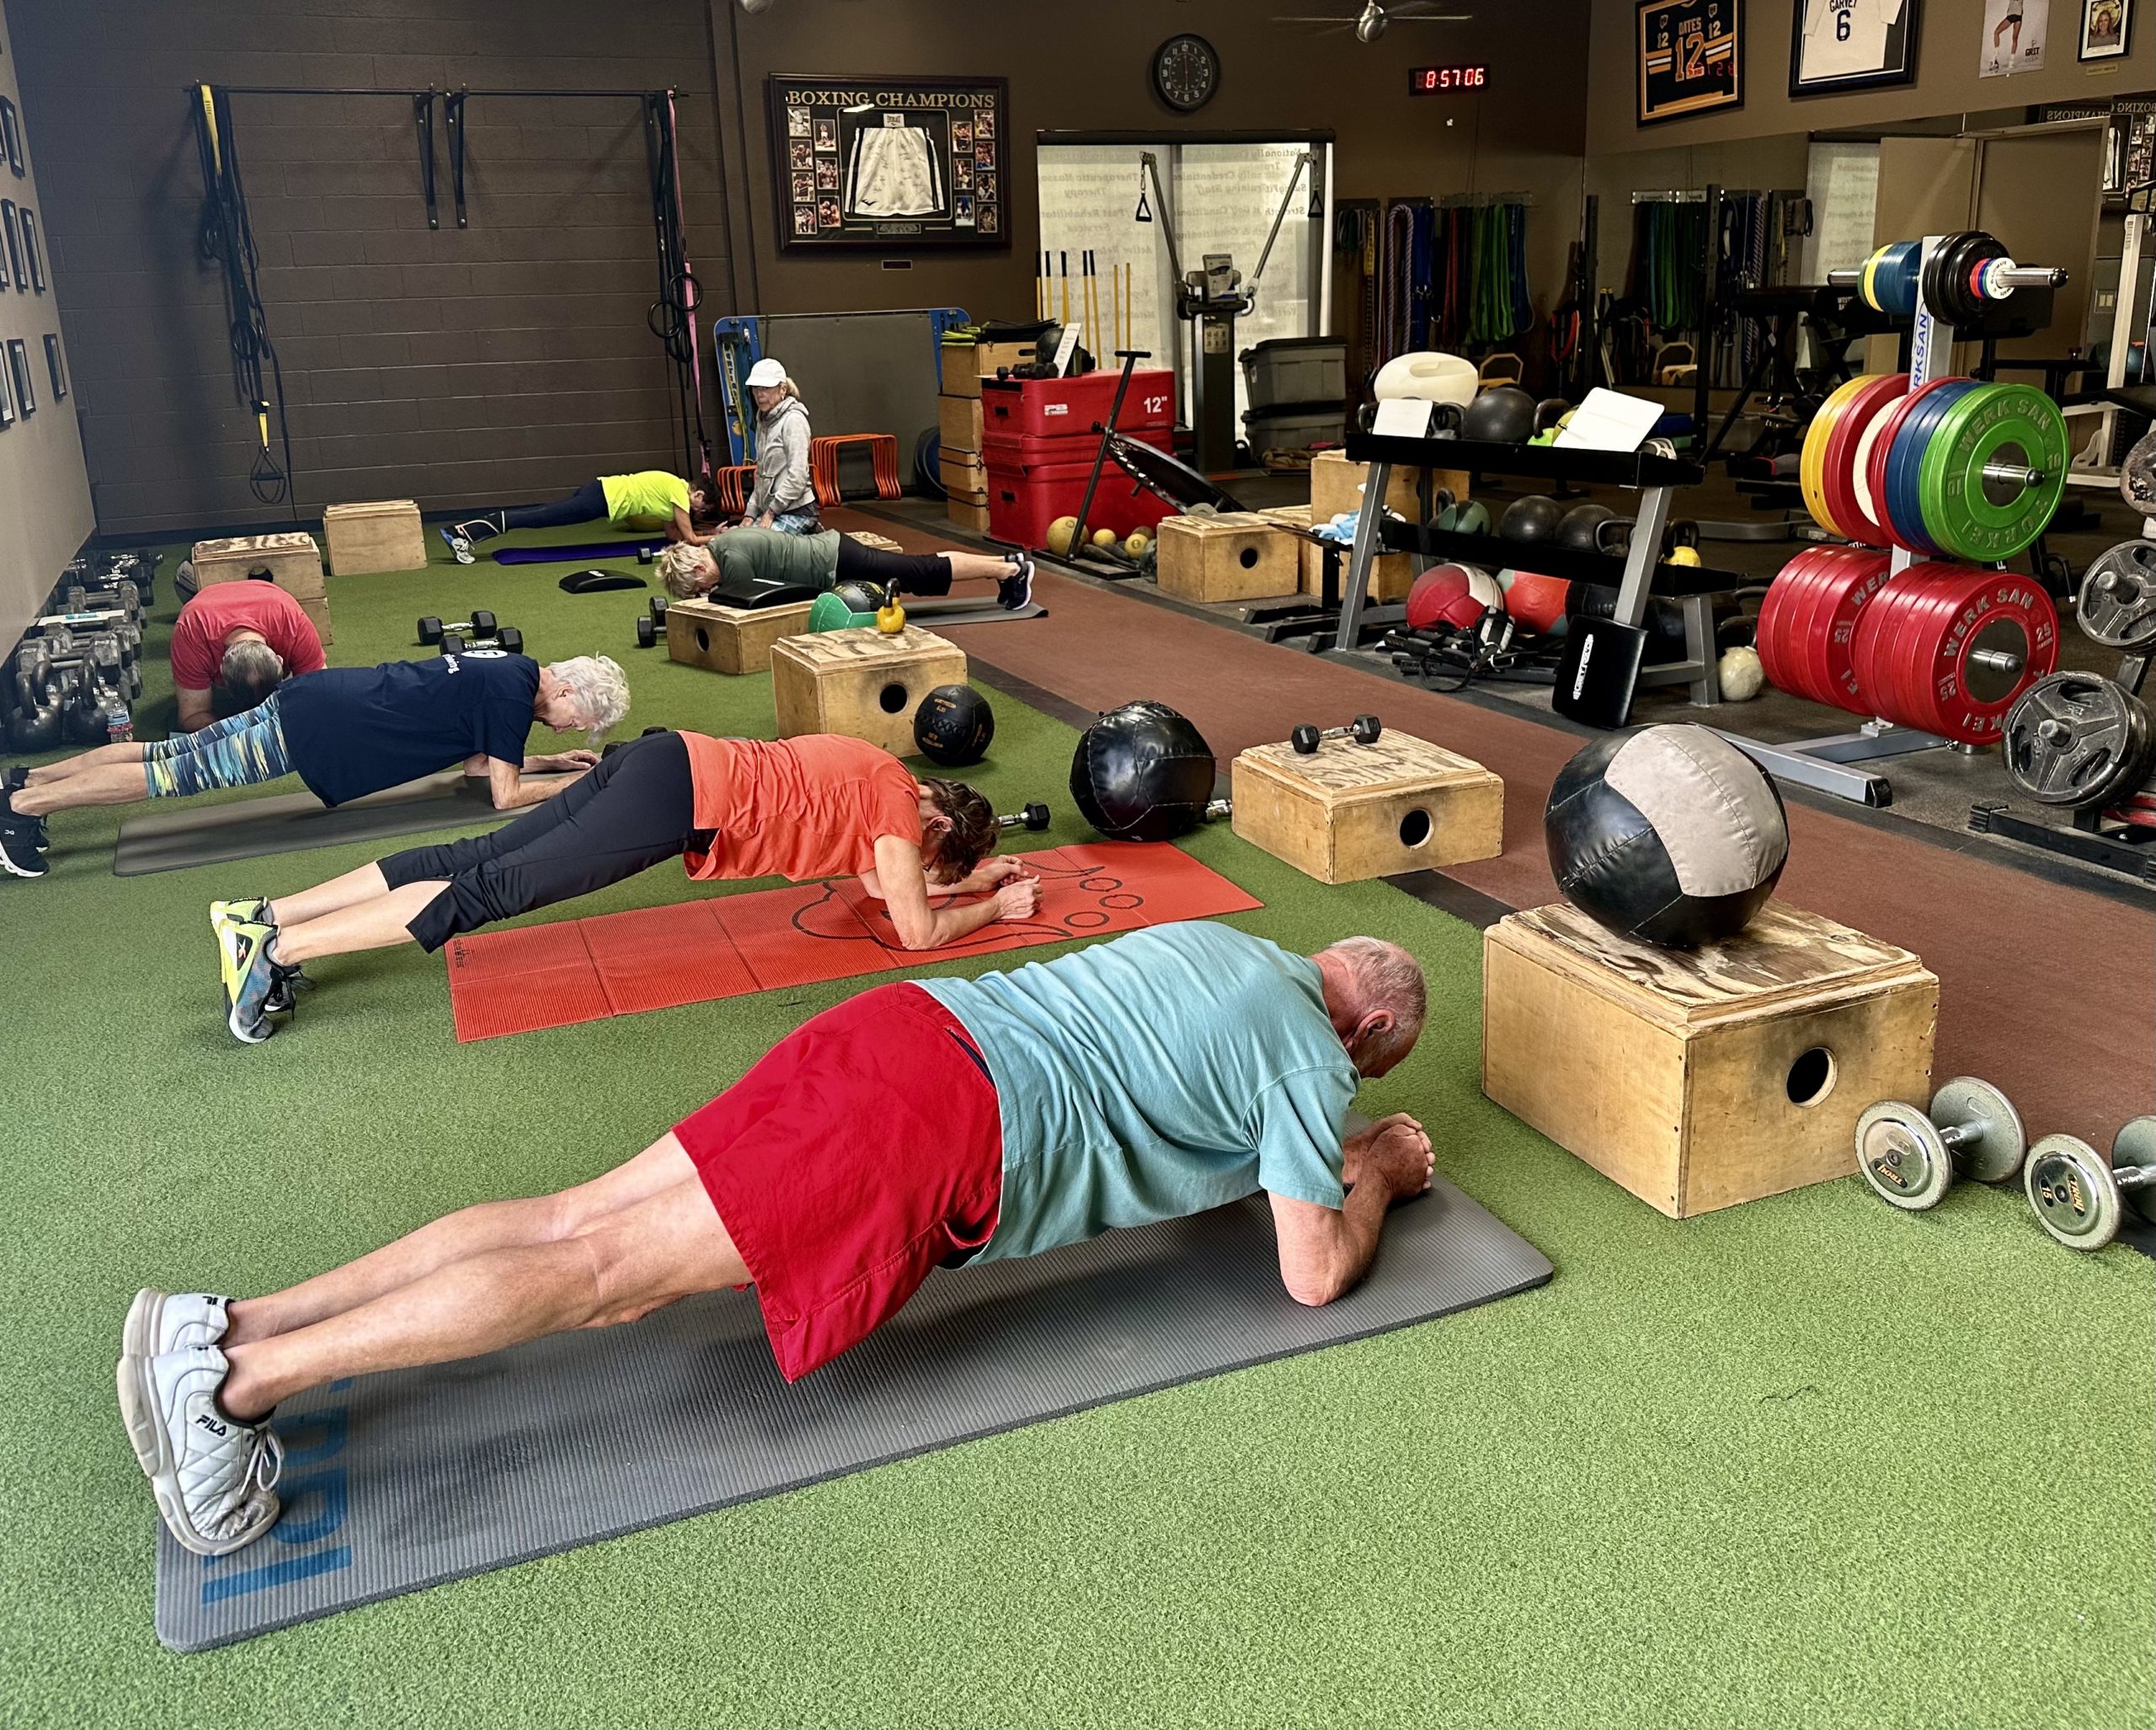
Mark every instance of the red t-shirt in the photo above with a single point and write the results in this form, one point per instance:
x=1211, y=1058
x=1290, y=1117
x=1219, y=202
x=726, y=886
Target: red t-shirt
x=198, y=639
x=799, y=809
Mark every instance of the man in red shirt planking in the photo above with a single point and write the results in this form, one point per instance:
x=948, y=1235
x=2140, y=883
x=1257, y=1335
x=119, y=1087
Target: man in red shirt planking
x=820, y=806
x=247, y=638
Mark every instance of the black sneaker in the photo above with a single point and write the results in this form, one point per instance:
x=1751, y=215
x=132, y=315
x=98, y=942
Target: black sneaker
x=18, y=778
x=1015, y=591
x=22, y=844
x=283, y=981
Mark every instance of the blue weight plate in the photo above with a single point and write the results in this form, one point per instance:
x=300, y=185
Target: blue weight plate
x=1895, y=281
x=1905, y=463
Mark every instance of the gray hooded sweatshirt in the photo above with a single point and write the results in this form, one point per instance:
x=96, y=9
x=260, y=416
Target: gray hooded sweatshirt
x=783, y=483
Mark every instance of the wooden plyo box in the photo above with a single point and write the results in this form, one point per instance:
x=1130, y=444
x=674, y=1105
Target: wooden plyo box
x=1348, y=811
x=1391, y=576
x=860, y=682
x=1700, y=1080
x=729, y=639
x=318, y=612
x=381, y=536
x=958, y=422
x=1236, y=556
x=964, y=476
x=291, y=561
x=967, y=516
x=1336, y=485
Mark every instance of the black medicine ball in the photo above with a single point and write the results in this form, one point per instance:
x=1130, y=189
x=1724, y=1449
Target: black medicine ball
x=1504, y=415
x=859, y=597
x=1533, y=518
x=1142, y=772
x=954, y=726
x=1669, y=835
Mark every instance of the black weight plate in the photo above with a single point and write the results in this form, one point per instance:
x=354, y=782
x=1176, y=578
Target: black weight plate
x=2077, y=738
x=2116, y=606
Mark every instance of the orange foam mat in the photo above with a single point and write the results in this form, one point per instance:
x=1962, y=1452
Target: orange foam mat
x=698, y=951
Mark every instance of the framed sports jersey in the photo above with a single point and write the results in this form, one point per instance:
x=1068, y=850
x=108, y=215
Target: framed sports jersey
x=888, y=163
x=1691, y=57
x=1851, y=44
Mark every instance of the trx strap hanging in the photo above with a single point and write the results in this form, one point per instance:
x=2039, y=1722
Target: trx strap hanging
x=673, y=315
x=225, y=238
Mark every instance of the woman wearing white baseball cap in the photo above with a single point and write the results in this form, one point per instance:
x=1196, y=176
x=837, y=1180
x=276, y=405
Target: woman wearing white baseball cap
x=784, y=498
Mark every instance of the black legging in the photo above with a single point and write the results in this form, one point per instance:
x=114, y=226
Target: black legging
x=585, y=504
x=634, y=810
x=913, y=572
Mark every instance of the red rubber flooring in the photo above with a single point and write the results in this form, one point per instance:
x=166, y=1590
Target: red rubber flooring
x=2048, y=990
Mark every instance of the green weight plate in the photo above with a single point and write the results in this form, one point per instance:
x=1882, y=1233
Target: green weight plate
x=1899, y=1154
x=1969, y=517
x=2071, y=1188
x=1993, y=1153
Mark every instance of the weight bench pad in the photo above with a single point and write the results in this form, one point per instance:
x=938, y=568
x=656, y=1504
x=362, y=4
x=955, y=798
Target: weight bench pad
x=396, y=1482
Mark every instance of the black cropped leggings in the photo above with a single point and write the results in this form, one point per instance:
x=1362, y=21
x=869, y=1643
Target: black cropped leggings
x=913, y=572
x=634, y=811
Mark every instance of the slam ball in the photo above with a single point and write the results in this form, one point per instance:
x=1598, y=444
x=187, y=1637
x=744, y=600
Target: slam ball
x=954, y=726
x=1062, y=533
x=1669, y=835
x=1533, y=518
x=1142, y=772
x=1452, y=595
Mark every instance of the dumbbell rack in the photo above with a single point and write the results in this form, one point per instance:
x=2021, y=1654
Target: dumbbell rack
x=1835, y=764
x=1637, y=575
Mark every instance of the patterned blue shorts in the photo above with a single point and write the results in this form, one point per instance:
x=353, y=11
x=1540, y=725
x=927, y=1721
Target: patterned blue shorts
x=239, y=751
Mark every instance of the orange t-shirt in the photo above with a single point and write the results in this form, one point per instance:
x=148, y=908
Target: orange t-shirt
x=799, y=809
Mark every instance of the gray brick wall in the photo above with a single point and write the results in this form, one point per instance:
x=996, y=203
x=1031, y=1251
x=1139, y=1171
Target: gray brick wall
x=507, y=361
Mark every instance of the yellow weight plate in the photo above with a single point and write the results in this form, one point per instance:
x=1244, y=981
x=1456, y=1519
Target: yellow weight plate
x=1812, y=463
x=1865, y=291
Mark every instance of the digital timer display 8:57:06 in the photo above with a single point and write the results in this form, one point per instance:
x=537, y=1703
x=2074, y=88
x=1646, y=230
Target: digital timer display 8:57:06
x=1432, y=80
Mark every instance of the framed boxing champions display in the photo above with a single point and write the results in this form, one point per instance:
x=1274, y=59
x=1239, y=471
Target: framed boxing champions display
x=1690, y=54
x=889, y=163
x=1851, y=44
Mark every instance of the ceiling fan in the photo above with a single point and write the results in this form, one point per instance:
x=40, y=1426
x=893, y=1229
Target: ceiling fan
x=1369, y=23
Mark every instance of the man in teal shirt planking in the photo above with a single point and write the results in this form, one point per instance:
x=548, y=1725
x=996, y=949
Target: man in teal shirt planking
x=920, y=1124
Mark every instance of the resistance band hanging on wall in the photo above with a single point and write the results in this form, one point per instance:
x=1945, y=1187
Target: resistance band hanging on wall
x=673, y=316
x=226, y=238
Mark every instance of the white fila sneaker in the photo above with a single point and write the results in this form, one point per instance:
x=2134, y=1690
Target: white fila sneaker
x=215, y=1477
x=161, y=1322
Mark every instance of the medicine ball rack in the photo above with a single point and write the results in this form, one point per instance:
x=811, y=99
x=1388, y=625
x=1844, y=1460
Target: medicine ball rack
x=1637, y=575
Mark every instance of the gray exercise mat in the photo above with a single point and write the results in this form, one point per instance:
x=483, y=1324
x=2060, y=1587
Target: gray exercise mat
x=185, y=835
x=396, y=1482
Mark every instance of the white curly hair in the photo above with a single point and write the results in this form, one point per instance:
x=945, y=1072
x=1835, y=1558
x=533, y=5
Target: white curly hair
x=686, y=570
x=601, y=689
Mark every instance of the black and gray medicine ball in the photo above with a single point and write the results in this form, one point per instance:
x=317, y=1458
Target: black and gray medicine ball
x=1669, y=835
x=1142, y=772
x=954, y=726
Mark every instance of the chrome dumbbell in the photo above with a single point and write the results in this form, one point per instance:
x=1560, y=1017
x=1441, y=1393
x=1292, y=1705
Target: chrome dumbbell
x=1910, y=1158
x=2081, y=1198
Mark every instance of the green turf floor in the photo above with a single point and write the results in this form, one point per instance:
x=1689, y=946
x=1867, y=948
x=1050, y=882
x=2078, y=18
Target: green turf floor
x=1806, y=1462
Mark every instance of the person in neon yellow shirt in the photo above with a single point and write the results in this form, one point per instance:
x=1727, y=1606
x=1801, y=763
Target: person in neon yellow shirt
x=688, y=512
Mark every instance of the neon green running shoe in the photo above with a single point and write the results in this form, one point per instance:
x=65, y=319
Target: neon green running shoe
x=243, y=951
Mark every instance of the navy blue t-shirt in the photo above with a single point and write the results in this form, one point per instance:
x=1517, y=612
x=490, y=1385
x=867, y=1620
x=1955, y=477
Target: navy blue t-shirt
x=352, y=731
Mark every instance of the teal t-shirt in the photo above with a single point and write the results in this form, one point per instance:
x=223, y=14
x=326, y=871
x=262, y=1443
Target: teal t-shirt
x=1158, y=1075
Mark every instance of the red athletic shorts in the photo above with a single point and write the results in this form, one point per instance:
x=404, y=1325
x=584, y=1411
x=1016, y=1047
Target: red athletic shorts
x=863, y=1149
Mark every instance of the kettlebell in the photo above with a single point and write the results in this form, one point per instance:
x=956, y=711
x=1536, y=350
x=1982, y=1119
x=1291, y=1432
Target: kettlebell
x=1581, y=527
x=1501, y=416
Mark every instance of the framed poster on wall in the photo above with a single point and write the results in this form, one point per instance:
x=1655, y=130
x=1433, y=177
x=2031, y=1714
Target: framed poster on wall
x=57, y=365
x=888, y=161
x=1851, y=44
x=19, y=368
x=1690, y=58
x=2107, y=27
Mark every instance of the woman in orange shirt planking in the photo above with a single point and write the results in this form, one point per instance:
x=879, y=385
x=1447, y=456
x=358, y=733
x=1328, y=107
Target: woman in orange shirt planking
x=820, y=806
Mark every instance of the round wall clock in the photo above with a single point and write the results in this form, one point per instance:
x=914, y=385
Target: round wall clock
x=1186, y=73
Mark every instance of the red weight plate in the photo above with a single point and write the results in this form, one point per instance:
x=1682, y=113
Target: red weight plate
x=1840, y=607
x=1820, y=578
x=1923, y=620
x=1866, y=508
x=1877, y=663
x=1838, y=473
x=1774, y=644
x=1971, y=704
x=1803, y=603
x=1865, y=659
x=1875, y=470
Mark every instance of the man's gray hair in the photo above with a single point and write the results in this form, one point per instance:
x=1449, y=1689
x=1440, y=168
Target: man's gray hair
x=601, y=690
x=251, y=670
x=1385, y=977
x=682, y=569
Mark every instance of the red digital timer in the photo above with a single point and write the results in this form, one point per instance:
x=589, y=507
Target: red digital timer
x=1433, y=80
